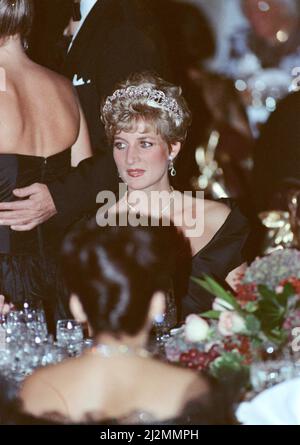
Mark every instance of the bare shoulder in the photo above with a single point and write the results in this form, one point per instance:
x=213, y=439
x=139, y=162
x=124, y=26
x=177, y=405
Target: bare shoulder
x=188, y=203
x=65, y=84
x=216, y=214
x=216, y=208
x=35, y=390
x=57, y=80
x=212, y=209
x=204, y=219
x=40, y=392
x=185, y=380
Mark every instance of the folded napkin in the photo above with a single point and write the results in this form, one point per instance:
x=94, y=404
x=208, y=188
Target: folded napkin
x=279, y=405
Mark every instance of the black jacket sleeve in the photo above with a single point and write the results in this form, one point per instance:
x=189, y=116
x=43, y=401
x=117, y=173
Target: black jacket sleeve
x=75, y=194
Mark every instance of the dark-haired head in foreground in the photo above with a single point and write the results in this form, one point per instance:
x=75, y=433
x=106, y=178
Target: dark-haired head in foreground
x=119, y=276
x=116, y=273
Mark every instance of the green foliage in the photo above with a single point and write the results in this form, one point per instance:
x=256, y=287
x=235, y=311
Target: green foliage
x=288, y=291
x=217, y=290
x=251, y=306
x=228, y=363
x=264, y=317
x=214, y=315
x=253, y=325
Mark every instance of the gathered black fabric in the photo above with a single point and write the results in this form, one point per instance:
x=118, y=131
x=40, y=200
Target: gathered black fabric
x=29, y=268
x=223, y=253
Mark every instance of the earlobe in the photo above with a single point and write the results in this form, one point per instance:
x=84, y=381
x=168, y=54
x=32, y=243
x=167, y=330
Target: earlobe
x=175, y=149
x=157, y=307
x=77, y=309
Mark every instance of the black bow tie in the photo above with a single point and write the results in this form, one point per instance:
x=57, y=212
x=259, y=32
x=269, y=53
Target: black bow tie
x=76, y=14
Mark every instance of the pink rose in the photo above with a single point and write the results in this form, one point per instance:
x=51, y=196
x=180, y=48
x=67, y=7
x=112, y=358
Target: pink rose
x=231, y=323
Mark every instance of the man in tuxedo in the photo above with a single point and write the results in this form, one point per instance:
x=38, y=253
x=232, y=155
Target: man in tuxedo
x=47, y=45
x=115, y=38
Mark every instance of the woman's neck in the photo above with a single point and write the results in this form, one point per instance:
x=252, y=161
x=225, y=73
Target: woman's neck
x=12, y=49
x=138, y=341
x=163, y=185
x=155, y=200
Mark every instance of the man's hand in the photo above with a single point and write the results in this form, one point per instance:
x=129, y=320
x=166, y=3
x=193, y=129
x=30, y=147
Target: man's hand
x=27, y=214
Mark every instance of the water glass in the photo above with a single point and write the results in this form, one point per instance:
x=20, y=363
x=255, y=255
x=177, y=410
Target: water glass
x=34, y=311
x=69, y=334
x=266, y=374
x=15, y=319
x=38, y=331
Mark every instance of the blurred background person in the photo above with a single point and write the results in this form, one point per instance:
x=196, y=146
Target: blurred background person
x=99, y=55
x=263, y=53
x=214, y=102
x=277, y=154
x=274, y=33
x=47, y=44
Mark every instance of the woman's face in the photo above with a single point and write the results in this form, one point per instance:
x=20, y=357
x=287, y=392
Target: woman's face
x=142, y=157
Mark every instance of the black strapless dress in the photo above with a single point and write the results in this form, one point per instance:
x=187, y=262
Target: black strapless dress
x=29, y=267
x=224, y=252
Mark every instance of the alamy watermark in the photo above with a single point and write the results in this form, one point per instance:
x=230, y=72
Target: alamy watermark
x=295, y=85
x=184, y=210
x=296, y=341
x=2, y=80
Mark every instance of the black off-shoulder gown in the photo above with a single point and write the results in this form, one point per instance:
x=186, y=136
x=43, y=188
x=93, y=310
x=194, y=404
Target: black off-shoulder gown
x=223, y=253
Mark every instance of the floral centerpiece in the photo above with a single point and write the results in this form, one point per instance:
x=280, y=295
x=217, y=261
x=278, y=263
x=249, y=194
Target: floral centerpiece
x=265, y=308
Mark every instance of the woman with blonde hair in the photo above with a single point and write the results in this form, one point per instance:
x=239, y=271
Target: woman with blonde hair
x=146, y=121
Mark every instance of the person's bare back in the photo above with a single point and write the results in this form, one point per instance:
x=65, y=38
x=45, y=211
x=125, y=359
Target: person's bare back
x=39, y=113
x=100, y=388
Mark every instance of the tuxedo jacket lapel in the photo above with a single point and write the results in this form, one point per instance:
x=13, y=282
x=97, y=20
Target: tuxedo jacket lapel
x=96, y=22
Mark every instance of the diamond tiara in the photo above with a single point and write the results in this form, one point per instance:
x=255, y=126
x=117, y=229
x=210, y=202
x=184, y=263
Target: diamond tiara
x=155, y=98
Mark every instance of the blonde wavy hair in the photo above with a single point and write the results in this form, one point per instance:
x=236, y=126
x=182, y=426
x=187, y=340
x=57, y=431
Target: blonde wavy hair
x=125, y=112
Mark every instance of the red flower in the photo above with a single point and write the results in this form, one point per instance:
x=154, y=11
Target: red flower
x=246, y=292
x=295, y=282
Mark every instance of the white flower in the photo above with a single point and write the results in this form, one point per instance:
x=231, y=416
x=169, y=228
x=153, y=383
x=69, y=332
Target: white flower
x=195, y=329
x=231, y=323
x=221, y=305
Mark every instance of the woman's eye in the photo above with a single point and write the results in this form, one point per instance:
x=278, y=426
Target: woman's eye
x=119, y=145
x=146, y=144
